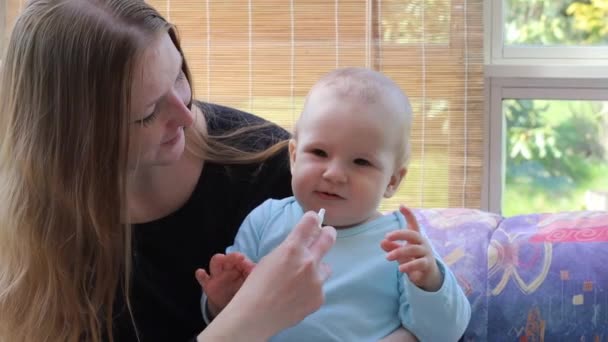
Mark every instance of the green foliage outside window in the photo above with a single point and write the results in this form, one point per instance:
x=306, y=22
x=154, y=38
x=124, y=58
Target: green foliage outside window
x=556, y=22
x=556, y=151
x=590, y=17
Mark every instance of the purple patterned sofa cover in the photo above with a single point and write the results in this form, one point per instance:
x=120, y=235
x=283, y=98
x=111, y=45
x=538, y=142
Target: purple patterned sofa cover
x=538, y=277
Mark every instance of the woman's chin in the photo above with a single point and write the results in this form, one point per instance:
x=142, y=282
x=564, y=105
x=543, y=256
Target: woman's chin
x=162, y=157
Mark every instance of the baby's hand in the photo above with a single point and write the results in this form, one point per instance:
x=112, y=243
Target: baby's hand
x=227, y=274
x=415, y=256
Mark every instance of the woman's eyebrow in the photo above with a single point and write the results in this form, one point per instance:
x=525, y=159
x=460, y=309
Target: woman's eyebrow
x=179, y=70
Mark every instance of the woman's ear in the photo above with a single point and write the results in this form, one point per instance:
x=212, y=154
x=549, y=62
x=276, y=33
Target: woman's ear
x=292, y=154
x=396, y=179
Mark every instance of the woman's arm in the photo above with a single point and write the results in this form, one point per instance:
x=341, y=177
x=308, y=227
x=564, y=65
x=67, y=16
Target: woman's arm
x=282, y=289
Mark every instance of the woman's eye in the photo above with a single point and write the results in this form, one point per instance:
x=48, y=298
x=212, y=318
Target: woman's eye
x=148, y=119
x=180, y=77
x=319, y=153
x=362, y=162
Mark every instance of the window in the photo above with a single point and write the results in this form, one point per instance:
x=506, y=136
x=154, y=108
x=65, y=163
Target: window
x=262, y=56
x=547, y=134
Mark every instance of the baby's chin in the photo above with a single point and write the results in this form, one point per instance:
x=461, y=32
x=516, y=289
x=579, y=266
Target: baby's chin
x=340, y=221
x=348, y=222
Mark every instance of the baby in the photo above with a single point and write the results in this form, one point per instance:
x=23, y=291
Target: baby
x=350, y=149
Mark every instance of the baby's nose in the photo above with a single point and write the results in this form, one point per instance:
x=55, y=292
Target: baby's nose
x=335, y=173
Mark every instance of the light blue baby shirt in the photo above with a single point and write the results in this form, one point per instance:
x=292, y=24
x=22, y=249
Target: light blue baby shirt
x=366, y=297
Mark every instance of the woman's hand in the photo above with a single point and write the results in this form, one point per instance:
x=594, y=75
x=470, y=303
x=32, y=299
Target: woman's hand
x=284, y=287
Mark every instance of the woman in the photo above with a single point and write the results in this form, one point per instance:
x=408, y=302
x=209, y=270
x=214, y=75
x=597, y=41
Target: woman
x=116, y=187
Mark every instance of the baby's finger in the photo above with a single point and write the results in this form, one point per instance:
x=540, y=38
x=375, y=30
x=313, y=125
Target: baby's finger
x=235, y=257
x=388, y=245
x=412, y=223
x=202, y=277
x=420, y=264
x=411, y=236
x=415, y=276
x=247, y=266
x=216, y=265
x=406, y=252
x=231, y=275
x=233, y=260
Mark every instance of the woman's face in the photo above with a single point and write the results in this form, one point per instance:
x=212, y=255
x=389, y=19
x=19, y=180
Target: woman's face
x=161, y=93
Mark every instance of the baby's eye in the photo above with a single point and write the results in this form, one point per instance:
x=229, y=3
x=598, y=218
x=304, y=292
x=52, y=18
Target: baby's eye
x=362, y=162
x=319, y=153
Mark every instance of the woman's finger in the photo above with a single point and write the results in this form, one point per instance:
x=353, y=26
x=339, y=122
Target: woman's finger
x=306, y=231
x=324, y=271
x=324, y=241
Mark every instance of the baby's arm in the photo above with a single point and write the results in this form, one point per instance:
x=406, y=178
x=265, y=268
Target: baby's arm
x=433, y=306
x=226, y=275
x=228, y=272
x=400, y=335
x=416, y=257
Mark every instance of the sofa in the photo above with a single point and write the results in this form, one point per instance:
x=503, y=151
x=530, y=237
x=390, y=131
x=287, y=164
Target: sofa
x=537, y=277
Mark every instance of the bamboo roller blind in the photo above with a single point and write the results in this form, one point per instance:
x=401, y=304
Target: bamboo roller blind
x=262, y=56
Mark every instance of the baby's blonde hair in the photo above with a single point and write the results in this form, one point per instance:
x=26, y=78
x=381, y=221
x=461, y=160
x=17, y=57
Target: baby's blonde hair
x=368, y=86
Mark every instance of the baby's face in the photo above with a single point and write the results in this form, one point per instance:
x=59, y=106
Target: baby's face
x=344, y=159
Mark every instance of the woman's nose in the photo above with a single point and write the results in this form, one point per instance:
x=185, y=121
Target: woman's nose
x=335, y=173
x=181, y=116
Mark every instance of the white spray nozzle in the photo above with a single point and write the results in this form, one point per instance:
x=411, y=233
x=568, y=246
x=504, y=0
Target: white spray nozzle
x=321, y=217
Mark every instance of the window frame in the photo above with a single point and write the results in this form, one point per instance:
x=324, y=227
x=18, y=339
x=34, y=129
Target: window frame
x=529, y=73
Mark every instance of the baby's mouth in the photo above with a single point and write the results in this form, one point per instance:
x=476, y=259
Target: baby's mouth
x=328, y=195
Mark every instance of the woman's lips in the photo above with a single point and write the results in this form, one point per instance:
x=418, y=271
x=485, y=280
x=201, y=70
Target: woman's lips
x=174, y=139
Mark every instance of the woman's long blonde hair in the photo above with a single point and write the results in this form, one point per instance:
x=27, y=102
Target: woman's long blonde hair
x=65, y=90
x=65, y=93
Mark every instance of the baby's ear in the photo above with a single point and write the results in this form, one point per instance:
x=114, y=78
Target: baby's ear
x=292, y=154
x=396, y=179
